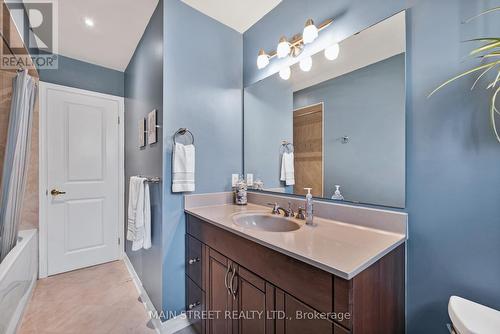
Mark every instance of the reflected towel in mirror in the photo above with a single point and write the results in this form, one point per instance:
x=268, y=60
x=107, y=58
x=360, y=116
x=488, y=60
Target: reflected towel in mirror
x=287, y=169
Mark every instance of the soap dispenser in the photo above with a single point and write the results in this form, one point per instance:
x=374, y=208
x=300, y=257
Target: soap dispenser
x=309, y=207
x=337, y=195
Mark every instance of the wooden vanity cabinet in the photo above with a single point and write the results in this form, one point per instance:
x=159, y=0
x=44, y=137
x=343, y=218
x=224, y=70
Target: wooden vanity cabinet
x=252, y=289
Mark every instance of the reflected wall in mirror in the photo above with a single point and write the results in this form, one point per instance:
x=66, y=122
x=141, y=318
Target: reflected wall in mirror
x=340, y=125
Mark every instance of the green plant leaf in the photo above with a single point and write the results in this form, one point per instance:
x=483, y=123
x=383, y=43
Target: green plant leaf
x=483, y=13
x=486, y=47
x=493, y=114
x=475, y=69
x=480, y=76
x=494, y=83
x=482, y=39
x=491, y=55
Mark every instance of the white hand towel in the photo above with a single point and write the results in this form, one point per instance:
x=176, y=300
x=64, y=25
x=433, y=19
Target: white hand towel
x=135, y=193
x=287, y=169
x=139, y=214
x=183, y=168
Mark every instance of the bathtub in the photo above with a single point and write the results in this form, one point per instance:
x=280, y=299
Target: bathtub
x=18, y=274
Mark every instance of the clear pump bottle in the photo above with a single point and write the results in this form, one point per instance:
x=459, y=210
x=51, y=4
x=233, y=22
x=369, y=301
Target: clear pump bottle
x=309, y=207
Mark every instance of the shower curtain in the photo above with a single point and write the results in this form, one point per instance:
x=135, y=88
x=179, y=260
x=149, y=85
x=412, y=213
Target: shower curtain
x=16, y=159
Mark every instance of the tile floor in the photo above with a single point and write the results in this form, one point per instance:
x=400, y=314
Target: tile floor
x=95, y=300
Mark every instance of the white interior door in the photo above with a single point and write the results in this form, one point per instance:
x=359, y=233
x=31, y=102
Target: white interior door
x=82, y=165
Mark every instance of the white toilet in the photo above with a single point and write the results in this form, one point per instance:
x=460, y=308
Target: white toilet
x=472, y=318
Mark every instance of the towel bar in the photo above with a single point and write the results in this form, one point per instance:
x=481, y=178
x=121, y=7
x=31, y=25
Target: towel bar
x=151, y=179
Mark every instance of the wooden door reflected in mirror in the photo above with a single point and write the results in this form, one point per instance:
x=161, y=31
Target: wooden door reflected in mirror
x=308, y=146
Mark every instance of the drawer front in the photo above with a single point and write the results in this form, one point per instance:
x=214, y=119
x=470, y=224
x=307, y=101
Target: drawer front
x=194, y=260
x=195, y=305
x=285, y=272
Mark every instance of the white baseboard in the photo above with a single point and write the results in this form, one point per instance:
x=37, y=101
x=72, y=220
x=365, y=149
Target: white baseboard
x=168, y=327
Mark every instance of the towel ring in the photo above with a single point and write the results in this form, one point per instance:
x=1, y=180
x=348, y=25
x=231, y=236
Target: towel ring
x=182, y=132
x=287, y=146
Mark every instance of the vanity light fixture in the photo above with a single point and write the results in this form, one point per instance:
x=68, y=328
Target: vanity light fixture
x=262, y=59
x=306, y=64
x=310, y=32
x=294, y=46
x=332, y=52
x=285, y=73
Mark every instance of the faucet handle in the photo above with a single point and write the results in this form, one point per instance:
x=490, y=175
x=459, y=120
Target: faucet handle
x=275, y=208
x=290, y=210
x=300, y=214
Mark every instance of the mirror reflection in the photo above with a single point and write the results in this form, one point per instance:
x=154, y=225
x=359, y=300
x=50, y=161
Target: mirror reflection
x=336, y=126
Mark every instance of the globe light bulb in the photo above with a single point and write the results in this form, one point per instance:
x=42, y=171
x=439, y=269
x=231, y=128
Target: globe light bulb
x=332, y=52
x=283, y=49
x=310, y=32
x=262, y=59
x=285, y=73
x=306, y=64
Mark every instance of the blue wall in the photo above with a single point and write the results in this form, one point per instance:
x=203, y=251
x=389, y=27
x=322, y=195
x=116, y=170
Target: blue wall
x=143, y=93
x=452, y=158
x=368, y=105
x=203, y=92
x=79, y=74
x=267, y=122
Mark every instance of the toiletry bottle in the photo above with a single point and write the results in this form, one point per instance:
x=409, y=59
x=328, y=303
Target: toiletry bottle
x=241, y=192
x=309, y=207
x=337, y=195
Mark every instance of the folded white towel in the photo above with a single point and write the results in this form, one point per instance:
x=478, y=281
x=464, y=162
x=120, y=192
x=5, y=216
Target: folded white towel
x=183, y=168
x=287, y=169
x=139, y=214
x=135, y=202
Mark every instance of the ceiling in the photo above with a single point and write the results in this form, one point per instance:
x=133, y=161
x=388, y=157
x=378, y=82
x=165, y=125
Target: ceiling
x=237, y=14
x=111, y=42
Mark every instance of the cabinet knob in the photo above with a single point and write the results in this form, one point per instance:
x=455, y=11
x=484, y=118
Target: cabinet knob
x=193, y=261
x=193, y=305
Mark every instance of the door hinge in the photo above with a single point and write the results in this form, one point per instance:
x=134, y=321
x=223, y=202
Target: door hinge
x=119, y=241
x=118, y=119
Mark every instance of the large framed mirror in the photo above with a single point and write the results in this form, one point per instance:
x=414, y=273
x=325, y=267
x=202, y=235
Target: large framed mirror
x=338, y=128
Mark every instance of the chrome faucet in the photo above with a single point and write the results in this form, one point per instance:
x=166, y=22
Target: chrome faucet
x=286, y=212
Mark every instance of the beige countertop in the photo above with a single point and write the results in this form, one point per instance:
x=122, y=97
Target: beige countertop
x=342, y=249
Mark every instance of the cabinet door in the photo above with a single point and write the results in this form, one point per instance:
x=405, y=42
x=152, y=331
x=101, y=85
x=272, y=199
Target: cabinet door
x=219, y=299
x=252, y=299
x=299, y=318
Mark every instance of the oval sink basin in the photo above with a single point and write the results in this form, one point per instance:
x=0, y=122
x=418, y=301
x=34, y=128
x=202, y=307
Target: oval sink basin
x=265, y=222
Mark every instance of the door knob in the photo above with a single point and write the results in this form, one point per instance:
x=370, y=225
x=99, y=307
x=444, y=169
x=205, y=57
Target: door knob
x=55, y=192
